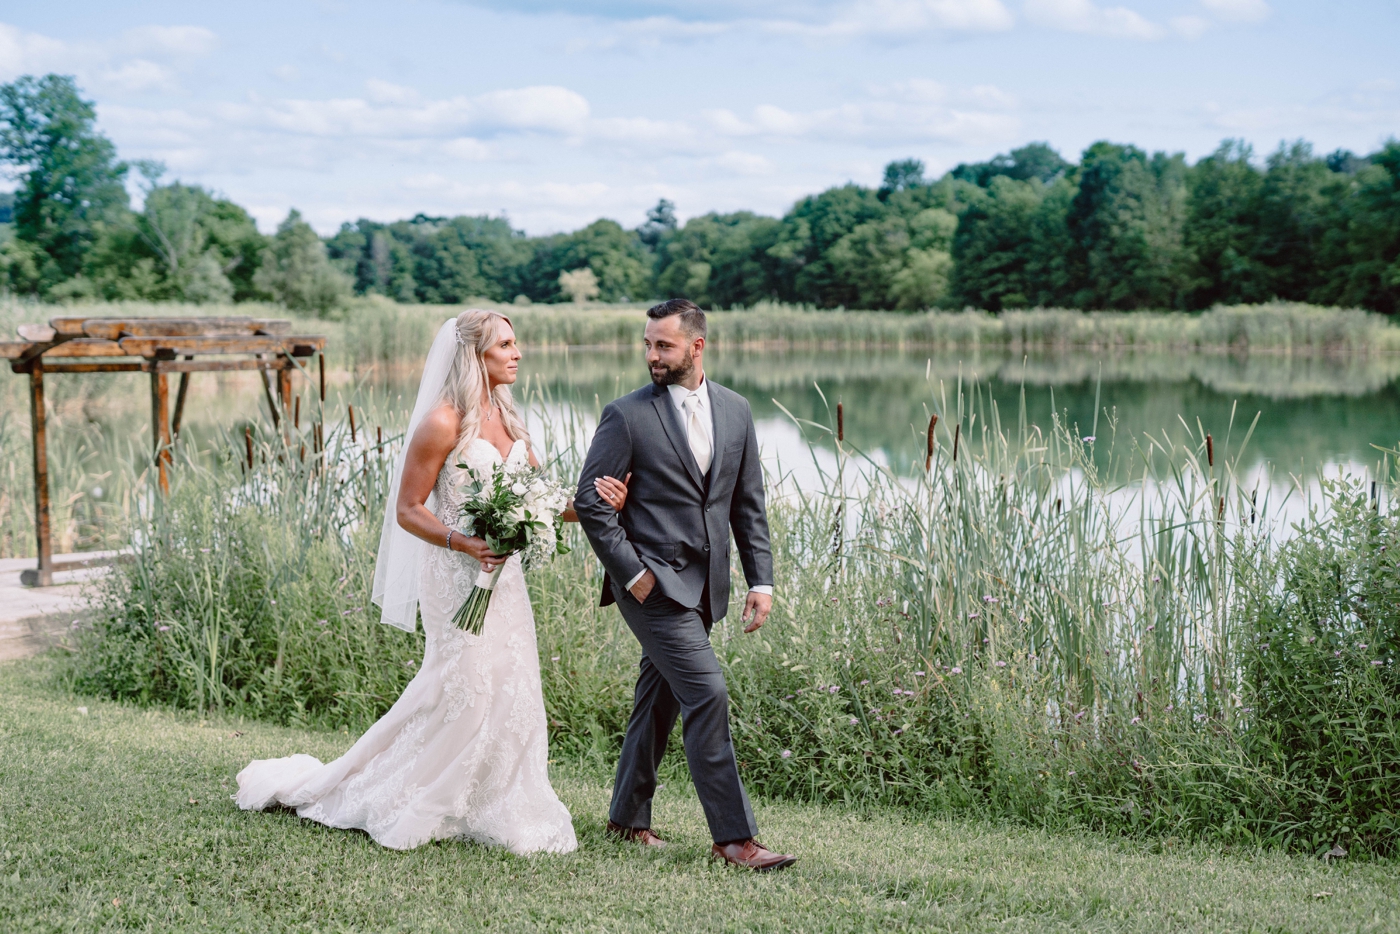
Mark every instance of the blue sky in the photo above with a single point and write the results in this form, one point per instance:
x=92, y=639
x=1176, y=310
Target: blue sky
x=557, y=112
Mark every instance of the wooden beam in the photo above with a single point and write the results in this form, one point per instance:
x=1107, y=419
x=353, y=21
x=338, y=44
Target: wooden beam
x=41, y=333
x=117, y=328
x=148, y=346
x=160, y=426
x=25, y=350
x=69, y=326
x=284, y=391
x=39, y=428
x=132, y=366
x=215, y=366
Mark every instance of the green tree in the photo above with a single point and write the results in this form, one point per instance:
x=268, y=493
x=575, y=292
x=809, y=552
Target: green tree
x=71, y=183
x=1032, y=161
x=1012, y=248
x=901, y=176
x=1127, y=222
x=810, y=229
x=1222, y=228
x=296, y=270
x=1364, y=245
x=720, y=260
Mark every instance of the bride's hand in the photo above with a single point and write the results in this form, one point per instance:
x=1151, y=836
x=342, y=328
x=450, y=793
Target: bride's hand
x=478, y=549
x=613, y=491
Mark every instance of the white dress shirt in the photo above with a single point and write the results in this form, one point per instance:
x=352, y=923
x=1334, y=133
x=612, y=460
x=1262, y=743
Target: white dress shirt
x=707, y=423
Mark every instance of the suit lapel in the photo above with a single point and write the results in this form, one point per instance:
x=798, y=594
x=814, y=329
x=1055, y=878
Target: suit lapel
x=671, y=422
x=718, y=413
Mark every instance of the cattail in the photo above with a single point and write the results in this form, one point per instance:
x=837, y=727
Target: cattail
x=248, y=444
x=301, y=454
x=1252, y=498
x=378, y=436
x=957, y=434
x=1210, y=451
x=1057, y=505
x=928, y=450
x=1220, y=513
x=296, y=414
x=840, y=422
x=321, y=361
x=351, y=408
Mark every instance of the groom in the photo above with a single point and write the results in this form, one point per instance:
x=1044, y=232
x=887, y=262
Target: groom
x=693, y=455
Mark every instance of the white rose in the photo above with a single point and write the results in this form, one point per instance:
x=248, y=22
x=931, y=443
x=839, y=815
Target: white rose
x=518, y=488
x=516, y=515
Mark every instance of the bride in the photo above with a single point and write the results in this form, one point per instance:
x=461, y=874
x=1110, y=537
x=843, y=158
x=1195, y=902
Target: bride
x=463, y=753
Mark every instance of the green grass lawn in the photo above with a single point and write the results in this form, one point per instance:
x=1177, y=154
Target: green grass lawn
x=120, y=819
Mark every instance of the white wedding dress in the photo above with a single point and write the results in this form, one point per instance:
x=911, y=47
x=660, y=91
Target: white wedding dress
x=464, y=752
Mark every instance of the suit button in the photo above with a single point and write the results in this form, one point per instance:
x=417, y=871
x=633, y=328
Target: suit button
x=707, y=547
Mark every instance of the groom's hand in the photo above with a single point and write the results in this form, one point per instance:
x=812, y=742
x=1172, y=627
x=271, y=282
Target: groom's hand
x=642, y=588
x=756, y=606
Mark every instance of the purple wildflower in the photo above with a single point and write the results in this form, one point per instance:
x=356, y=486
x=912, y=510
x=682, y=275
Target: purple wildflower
x=1135, y=720
x=1001, y=664
x=955, y=670
x=787, y=753
x=854, y=721
x=162, y=629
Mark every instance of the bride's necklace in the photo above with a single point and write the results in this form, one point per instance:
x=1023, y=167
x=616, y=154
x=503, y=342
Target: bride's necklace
x=490, y=412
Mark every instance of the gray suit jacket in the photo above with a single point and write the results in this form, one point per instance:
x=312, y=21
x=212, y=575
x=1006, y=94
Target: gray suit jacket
x=676, y=521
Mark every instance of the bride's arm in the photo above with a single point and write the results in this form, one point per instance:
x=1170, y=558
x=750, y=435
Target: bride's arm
x=428, y=450
x=611, y=490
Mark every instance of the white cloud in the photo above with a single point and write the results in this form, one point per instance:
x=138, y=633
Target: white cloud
x=142, y=59
x=902, y=18
x=1242, y=11
x=1084, y=16
x=544, y=109
x=1190, y=27
x=382, y=92
x=908, y=112
x=169, y=41
x=744, y=163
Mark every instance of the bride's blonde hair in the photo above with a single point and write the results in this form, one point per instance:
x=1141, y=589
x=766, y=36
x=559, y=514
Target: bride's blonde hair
x=468, y=386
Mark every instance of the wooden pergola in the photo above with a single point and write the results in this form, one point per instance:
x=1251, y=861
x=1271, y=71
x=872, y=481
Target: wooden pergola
x=160, y=347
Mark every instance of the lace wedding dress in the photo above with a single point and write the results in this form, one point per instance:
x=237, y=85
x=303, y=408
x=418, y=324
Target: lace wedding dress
x=463, y=753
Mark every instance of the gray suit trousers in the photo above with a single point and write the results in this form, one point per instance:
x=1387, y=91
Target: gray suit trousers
x=680, y=675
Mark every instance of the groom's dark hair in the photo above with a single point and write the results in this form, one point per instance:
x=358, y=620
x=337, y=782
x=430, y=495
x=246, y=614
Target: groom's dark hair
x=692, y=318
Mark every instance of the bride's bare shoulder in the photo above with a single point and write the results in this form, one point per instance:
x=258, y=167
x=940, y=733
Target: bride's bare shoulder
x=438, y=428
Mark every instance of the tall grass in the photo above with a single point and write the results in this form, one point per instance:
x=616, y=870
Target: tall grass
x=1007, y=633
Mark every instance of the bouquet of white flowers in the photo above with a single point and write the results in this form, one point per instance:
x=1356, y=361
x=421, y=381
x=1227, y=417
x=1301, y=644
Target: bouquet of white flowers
x=515, y=509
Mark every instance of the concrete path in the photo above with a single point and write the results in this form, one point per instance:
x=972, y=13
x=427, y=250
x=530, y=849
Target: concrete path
x=35, y=618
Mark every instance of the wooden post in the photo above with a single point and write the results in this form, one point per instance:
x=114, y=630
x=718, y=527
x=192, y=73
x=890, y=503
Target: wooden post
x=160, y=426
x=284, y=386
x=43, y=576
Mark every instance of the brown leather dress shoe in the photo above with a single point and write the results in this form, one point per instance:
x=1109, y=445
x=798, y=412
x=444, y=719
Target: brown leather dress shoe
x=635, y=834
x=751, y=855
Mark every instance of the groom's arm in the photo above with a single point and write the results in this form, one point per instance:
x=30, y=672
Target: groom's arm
x=610, y=455
x=748, y=516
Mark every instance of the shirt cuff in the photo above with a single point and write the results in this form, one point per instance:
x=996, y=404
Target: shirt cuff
x=633, y=582
x=762, y=588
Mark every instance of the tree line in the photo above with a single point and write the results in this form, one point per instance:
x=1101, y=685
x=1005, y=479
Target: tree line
x=1120, y=229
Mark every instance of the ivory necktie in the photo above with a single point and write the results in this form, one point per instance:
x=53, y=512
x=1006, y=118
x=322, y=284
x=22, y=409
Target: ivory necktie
x=699, y=442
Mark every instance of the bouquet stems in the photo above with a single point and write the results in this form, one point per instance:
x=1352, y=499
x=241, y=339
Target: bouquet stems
x=471, y=615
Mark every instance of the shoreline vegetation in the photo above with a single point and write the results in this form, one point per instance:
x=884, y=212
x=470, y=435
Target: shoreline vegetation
x=375, y=330
x=1008, y=635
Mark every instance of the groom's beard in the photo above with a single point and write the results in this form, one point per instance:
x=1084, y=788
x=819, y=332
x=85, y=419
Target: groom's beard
x=663, y=375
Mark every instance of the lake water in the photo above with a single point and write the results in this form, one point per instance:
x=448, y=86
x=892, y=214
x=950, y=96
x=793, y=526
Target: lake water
x=1314, y=414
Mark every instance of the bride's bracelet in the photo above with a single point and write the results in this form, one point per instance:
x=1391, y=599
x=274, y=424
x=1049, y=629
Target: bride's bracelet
x=448, y=544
